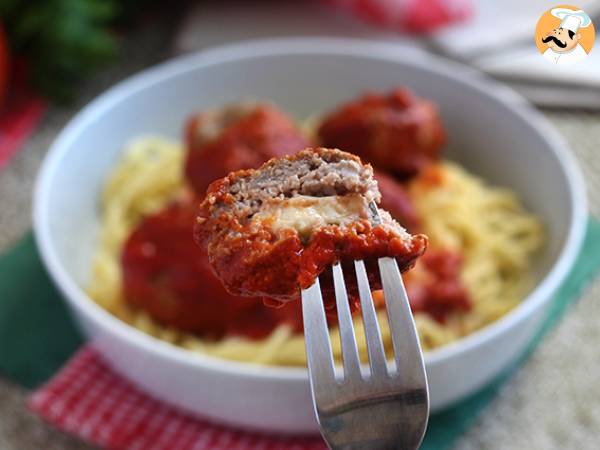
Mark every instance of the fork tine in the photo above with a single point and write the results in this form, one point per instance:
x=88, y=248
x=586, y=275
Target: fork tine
x=402, y=325
x=377, y=359
x=316, y=335
x=347, y=337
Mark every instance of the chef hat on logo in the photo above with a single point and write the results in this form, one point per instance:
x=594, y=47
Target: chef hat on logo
x=571, y=20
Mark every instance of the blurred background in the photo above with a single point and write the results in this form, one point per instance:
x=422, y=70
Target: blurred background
x=56, y=55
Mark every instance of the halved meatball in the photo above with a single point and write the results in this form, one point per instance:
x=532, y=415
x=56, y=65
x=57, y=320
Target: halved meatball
x=237, y=136
x=271, y=232
x=396, y=132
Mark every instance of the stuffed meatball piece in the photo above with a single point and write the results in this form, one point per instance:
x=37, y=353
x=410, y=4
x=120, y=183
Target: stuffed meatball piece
x=237, y=136
x=271, y=232
x=396, y=132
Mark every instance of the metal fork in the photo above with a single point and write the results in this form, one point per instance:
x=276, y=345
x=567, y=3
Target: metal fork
x=379, y=408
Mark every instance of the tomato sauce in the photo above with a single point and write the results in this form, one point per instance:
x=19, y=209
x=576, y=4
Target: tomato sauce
x=167, y=275
x=435, y=286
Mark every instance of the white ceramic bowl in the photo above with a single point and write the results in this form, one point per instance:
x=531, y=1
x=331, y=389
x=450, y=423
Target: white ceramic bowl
x=492, y=132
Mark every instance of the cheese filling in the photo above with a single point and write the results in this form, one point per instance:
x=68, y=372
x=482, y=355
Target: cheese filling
x=304, y=213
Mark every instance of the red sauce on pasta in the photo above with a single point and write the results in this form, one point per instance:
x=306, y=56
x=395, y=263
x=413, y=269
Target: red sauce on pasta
x=435, y=286
x=167, y=275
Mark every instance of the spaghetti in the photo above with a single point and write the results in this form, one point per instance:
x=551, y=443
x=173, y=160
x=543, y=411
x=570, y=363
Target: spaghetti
x=459, y=211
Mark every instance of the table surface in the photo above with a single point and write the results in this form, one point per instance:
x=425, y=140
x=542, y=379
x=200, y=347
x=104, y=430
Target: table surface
x=550, y=404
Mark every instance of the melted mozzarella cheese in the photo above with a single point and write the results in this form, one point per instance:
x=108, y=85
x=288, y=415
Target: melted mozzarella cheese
x=304, y=213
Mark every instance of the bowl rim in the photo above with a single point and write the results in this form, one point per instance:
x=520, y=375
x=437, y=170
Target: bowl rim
x=372, y=49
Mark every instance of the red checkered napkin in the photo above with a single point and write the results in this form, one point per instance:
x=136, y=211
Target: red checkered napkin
x=411, y=15
x=87, y=399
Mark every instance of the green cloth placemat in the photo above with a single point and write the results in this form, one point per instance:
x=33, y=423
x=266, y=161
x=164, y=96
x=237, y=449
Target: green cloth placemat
x=37, y=334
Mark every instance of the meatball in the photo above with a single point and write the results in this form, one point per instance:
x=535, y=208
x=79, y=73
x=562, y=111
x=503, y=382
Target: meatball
x=396, y=200
x=397, y=132
x=272, y=231
x=169, y=277
x=238, y=136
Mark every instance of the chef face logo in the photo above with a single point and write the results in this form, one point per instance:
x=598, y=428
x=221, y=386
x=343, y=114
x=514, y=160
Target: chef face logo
x=564, y=35
x=561, y=40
